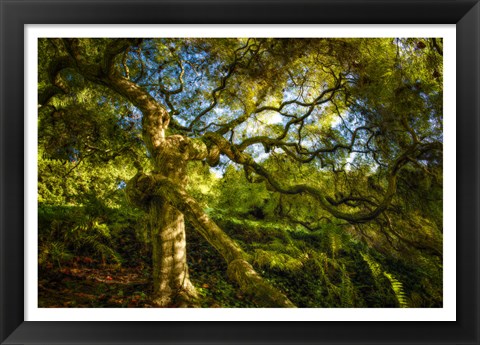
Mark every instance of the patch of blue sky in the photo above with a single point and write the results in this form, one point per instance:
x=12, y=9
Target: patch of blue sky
x=102, y=100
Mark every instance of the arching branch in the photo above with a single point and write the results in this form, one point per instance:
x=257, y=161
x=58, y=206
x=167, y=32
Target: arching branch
x=239, y=157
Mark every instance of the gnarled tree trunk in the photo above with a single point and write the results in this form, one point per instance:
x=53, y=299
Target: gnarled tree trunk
x=169, y=155
x=239, y=269
x=170, y=270
x=166, y=208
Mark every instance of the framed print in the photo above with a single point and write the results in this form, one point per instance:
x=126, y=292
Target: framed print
x=239, y=172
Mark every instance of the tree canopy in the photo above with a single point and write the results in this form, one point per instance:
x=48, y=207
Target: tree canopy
x=307, y=172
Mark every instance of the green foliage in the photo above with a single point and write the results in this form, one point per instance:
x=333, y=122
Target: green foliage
x=326, y=267
x=276, y=261
x=269, y=99
x=53, y=252
x=396, y=285
x=240, y=196
x=67, y=230
x=398, y=290
x=202, y=184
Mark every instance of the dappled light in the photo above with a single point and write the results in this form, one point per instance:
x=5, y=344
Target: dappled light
x=240, y=172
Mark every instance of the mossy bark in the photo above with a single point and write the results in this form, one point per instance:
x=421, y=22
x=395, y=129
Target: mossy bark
x=169, y=203
x=163, y=196
x=171, y=282
x=170, y=270
x=169, y=154
x=239, y=269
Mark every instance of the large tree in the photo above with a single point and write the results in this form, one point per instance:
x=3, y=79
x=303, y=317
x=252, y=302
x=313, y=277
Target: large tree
x=350, y=126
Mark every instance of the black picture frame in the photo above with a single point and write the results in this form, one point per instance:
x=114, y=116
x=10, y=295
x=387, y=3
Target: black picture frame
x=16, y=13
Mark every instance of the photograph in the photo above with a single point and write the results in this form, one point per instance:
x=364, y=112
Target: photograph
x=240, y=172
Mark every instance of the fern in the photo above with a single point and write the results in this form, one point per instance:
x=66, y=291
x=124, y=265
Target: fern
x=94, y=242
x=373, y=265
x=397, y=288
x=54, y=252
x=395, y=284
x=348, y=295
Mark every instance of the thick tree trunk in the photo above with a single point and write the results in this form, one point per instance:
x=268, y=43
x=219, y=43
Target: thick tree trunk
x=147, y=189
x=170, y=271
x=169, y=155
x=239, y=269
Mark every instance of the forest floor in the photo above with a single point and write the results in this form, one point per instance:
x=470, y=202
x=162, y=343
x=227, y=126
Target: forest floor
x=86, y=283
x=118, y=287
x=93, y=287
x=290, y=261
